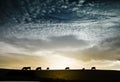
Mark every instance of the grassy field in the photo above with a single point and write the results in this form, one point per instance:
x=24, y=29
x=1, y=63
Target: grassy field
x=60, y=75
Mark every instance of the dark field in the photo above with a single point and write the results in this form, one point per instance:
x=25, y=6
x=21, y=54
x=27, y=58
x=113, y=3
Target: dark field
x=60, y=75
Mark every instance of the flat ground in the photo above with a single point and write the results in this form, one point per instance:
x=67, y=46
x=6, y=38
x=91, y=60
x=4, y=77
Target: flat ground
x=60, y=75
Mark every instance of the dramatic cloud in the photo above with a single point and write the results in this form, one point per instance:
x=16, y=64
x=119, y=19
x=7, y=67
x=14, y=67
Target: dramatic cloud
x=108, y=49
x=61, y=34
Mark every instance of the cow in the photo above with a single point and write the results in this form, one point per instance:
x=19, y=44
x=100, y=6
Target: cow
x=48, y=68
x=39, y=68
x=26, y=68
x=83, y=69
x=93, y=68
x=67, y=68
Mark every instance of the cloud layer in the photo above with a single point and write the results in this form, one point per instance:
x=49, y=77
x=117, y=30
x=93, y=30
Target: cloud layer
x=91, y=39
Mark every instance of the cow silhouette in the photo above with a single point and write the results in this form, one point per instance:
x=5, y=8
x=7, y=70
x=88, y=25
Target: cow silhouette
x=67, y=68
x=26, y=68
x=93, y=68
x=83, y=69
x=39, y=68
x=48, y=68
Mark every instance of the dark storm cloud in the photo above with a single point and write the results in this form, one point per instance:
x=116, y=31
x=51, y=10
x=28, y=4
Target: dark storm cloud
x=68, y=41
x=25, y=43
x=112, y=43
x=59, y=42
x=37, y=31
x=108, y=49
x=17, y=11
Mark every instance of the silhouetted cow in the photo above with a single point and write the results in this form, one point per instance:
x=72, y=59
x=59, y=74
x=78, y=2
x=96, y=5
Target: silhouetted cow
x=48, y=68
x=83, y=69
x=93, y=68
x=67, y=68
x=26, y=68
x=38, y=68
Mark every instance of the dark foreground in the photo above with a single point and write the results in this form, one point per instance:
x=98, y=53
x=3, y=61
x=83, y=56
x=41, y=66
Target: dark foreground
x=60, y=75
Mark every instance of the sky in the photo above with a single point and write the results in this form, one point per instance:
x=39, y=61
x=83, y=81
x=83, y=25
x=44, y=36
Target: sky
x=60, y=34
